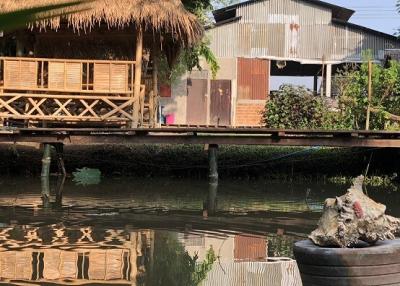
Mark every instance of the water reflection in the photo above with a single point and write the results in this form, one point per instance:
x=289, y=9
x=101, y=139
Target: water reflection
x=134, y=232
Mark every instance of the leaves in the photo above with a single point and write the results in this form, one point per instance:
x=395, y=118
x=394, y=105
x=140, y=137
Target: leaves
x=294, y=107
x=353, y=94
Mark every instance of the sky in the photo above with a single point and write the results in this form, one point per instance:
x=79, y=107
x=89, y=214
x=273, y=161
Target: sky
x=379, y=15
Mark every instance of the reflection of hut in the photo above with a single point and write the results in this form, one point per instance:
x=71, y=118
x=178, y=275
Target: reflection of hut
x=115, y=257
x=84, y=66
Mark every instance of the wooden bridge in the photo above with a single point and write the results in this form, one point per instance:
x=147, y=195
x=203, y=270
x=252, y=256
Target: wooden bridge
x=201, y=135
x=209, y=136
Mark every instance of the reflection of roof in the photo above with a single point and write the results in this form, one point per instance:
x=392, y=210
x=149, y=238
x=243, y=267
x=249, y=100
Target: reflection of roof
x=278, y=272
x=338, y=12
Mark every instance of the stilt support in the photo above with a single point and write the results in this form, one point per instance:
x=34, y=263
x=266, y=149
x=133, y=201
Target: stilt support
x=328, y=80
x=210, y=206
x=45, y=176
x=315, y=85
x=213, y=163
x=46, y=160
x=60, y=159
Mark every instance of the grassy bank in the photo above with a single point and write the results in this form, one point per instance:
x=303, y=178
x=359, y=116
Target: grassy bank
x=240, y=162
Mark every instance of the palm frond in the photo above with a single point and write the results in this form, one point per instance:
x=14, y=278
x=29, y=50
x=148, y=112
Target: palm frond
x=20, y=18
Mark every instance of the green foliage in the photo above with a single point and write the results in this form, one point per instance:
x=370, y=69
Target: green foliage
x=190, y=57
x=174, y=266
x=294, y=107
x=297, y=108
x=18, y=19
x=353, y=95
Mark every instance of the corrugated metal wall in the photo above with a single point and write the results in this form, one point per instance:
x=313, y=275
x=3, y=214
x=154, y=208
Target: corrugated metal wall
x=292, y=29
x=253, y=79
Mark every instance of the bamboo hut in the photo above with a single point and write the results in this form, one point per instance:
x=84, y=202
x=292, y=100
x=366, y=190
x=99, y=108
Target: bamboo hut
x=97, y=63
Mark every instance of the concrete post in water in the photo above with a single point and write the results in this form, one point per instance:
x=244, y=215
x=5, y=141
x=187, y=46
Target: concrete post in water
x=210, y=205
x=213, y=163
x=60, y=159
x=46, y=160
x=45, y=176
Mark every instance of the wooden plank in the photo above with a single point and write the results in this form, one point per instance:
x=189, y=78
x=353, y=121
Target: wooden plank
x=64, y=60
x=125, y=138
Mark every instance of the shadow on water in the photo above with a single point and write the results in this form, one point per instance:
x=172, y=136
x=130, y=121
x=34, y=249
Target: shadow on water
x=158, y=232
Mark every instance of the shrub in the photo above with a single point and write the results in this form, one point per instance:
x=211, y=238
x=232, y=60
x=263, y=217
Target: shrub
x=294, y=107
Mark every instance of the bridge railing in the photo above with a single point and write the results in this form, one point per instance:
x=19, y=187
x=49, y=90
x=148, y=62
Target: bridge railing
x=42, y=89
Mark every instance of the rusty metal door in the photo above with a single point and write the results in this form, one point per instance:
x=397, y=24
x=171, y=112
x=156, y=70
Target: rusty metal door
x=196, y=102
x=220, y=113
x=253, y=79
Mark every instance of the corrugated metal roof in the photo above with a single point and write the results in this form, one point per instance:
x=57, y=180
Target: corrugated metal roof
x=295, y=30
x=338, y=12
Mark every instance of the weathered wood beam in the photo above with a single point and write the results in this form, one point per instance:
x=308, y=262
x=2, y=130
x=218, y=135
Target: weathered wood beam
x=154, y=96
x=138, y=75
x=206, y=139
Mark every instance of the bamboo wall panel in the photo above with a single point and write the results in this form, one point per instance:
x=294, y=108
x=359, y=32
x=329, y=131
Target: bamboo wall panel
x=20, y=74
x=74, y=76
x=101, y=77
x=56, y=75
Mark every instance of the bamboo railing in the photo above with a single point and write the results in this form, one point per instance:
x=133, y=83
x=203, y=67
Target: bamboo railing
x=66, y=90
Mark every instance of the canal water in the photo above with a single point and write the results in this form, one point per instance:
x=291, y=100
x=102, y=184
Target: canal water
x=157, y=231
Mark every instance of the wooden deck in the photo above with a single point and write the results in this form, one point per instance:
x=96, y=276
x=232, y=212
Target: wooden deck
x=202, y=135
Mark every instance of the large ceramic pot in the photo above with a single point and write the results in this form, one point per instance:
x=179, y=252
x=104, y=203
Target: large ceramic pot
x=364, y=265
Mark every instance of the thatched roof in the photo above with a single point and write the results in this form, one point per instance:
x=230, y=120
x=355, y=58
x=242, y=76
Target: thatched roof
x=165, y=16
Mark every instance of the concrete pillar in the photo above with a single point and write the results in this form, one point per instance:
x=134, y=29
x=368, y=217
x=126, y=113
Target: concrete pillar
x=328, y=80
x=45, y=176
x=213, y=163
x=46, y=160
x=211, y=203
x=60, y=159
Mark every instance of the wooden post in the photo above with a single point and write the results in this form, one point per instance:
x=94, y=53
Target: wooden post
x=153, y=98
x=369, y=94
x=323, y=76
x=138, y=76
x=328, y=80
x=59, y=191
x=60, y=159
x=46, y=160
x=45, y=176
x=213, y=163
x=316, y=85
